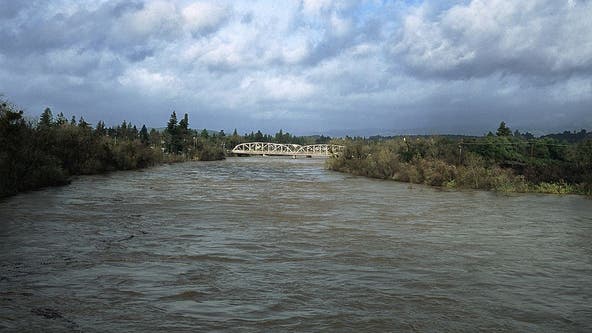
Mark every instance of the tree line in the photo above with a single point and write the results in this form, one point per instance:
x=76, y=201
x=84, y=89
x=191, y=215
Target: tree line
x=504, y=161
x=286, y=138
x=50, y=150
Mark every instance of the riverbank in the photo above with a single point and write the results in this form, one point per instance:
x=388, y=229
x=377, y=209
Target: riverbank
x=489, y=163
x=65, y=179
x=50, y=152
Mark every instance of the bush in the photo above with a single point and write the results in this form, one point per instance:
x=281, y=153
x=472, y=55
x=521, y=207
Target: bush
x=211, y=152
x=505, y=164
x=555, y=188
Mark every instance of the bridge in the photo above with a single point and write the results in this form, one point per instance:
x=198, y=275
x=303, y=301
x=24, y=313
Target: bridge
x=279, y=149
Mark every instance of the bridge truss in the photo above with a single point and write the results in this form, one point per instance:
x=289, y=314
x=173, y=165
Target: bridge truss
x=279, y=149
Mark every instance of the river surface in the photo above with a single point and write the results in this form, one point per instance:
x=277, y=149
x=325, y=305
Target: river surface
x=275, y=244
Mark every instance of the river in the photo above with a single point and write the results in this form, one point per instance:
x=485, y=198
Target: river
x=275, y=244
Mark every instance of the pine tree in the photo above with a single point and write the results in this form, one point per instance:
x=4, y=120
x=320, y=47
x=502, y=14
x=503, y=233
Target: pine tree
x=172, y=124
x=259, y=136
x=172, y=134
x=184, y=124
x=82, y=123
x=183, y=134
x=503, y=130
x=144, y=138
x=46, y=119
x=234, y=139
x=133, y=133
x=61, y=119
x=100, y=130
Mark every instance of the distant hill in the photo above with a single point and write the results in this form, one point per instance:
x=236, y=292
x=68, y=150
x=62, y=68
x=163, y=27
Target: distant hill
x=570, y=137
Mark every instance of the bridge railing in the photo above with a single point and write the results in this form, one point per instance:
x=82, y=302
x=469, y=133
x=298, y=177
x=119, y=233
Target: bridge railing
x=270, y=148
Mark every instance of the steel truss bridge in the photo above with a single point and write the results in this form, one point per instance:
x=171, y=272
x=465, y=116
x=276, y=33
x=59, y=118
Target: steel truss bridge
x=279, y=149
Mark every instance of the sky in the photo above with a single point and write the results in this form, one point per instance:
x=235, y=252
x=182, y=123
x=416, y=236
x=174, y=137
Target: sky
x=307, y=67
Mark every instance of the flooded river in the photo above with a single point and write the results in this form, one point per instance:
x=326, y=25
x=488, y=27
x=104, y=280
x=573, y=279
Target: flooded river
x=275, y=244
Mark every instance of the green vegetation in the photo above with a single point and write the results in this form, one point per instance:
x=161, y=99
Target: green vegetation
x=49, y=152
x=503, y=162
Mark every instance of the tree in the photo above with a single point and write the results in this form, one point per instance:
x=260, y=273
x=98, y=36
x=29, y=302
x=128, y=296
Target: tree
x=503, y=130
x=279, y=137
x=184, y=136
x=258, y=136
x=61, y=120
x=144, y=138
x=82, y=123
x=155, y=137
x=133, y=132
x=100, y=130
x=234, y=139
x=173, y=135
x=25, y=162
x=172, y=124
x=122, y=130
x=46, y=119
x=204, y=134
x=184, y=124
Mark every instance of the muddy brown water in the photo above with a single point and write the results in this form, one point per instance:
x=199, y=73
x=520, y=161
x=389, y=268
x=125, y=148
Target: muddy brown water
x=275, y=244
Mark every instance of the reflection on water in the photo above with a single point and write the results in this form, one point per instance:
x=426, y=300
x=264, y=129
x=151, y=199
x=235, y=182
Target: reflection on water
x=259, y=244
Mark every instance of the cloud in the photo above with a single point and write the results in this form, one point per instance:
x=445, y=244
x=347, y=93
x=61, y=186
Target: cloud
x=149, y=82
x=530, y=38
x=202, y=17
x=454, y=65
x=314, y=7
x=262, y=90
x=154, y=20
x=288, y=88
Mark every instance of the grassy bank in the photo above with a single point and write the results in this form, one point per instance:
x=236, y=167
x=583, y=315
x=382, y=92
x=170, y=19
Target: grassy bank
x=505, y=163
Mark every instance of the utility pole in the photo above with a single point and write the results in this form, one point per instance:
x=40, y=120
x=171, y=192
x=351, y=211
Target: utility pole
x=460, y=151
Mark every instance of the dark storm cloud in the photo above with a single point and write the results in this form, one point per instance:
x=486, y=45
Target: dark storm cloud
x=305, y=66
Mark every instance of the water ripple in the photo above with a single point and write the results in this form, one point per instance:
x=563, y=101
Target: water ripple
x=274, y=244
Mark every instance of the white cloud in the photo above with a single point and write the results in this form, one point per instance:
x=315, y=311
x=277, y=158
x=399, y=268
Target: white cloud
x=288, y=87
x=202, y=16
x=531, y=37
x=314, y=7
x=155, y=19
x=340, y=26
x=294, y=49
x=150, y=82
